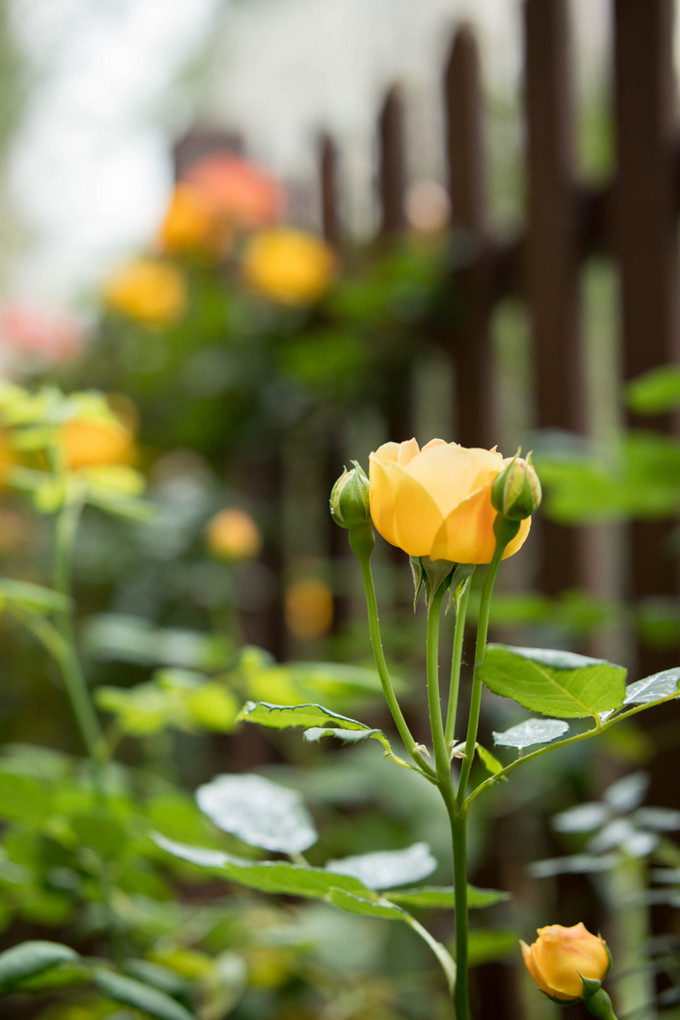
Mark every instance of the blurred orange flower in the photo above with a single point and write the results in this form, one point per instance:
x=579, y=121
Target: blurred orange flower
x=288, y=265
x=147, y=290
x=308, y=608
x=192, y=223
x=88, y=443
x=49, y=334
x=233, y=535
x=242, y=193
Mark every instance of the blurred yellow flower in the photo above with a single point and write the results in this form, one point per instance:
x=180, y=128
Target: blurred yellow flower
x=233, y=535
x=148, y=291
x=192, y=223
x=559, y=956
x=288, y=265
x=436, y=502
x=308, y=608
x=90, y=443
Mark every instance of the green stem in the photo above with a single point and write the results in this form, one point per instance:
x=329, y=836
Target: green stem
x=74, y=681
x=480, y=653
x=456, y=661
x=441, y=753
x=457, y=818
x=383, y=673
x=459, y=838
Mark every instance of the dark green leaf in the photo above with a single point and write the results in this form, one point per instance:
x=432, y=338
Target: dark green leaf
x=259, y=812
x=555, y=683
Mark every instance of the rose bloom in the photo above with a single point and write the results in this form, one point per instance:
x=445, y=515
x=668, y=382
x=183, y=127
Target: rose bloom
x=192, y=223
x=241, y=192
x=559, y=955
x=288, y=265
x=53, y=336
x=147, y=290
x=436, y=502
x=232, y=535
x=88, y=443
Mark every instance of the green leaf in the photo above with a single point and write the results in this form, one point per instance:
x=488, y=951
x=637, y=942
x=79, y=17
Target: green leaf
x=656, y=391
x=374, y=907
x=355, y=736
x=657, y=687
x=278, y=877
x=282, y=717
x=490, y=762
x=442, y=897
x=556, y=683
x=387, y=868
x=259, y=812
x=530, y=732
x=30, y=958
x=140, y=996
x=33, y=597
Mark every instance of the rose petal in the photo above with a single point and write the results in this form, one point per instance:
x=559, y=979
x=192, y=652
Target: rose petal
x=402, y=510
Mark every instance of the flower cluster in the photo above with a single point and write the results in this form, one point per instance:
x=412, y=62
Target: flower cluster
x=224, y=211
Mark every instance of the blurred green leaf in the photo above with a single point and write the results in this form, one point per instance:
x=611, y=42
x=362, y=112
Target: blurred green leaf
x=656, y=391
x=141, y=996
x=33, y=597
x=444, y=897
x=554, y=682
x=31, y=958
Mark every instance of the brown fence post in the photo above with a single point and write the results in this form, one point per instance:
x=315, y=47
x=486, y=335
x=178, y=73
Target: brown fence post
x=645, y=244
x=328, y=179
x=552, y=256
x=471, y=346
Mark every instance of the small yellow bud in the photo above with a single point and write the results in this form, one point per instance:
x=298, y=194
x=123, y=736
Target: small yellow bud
x=561, y=958
x=516, y=491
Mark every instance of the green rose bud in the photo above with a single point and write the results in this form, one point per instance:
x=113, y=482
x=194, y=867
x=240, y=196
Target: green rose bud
x=349, y=498
x=516, y=491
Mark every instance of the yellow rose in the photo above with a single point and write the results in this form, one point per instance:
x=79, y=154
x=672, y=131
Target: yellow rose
x=288, y=265
x=436, y=501
x=148, y=291
x=233, y=535
x=559, y=955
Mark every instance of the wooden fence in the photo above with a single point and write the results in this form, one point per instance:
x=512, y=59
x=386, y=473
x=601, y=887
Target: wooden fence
x=630, y=219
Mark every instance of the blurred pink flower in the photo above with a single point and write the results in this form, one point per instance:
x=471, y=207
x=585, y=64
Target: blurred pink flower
x=246, y=196
x=48, y=334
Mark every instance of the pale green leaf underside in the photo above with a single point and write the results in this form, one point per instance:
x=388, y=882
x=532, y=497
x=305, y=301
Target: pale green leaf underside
x=530, y=732
x=388, y=868
x=554, y=683
x=261, y=813
x=657, y=687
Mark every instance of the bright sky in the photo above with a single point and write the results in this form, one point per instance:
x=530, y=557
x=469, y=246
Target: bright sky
x=90, y=172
